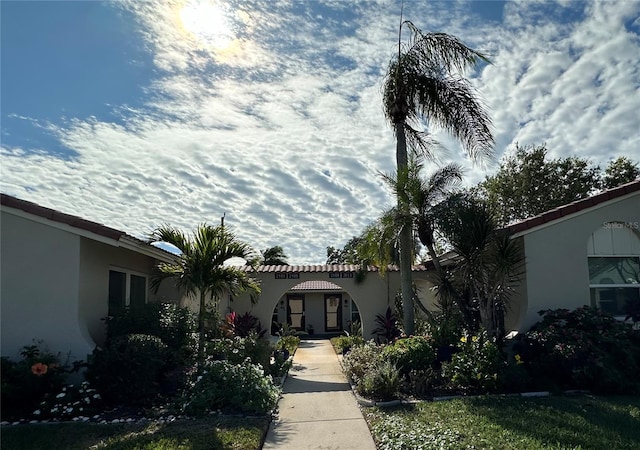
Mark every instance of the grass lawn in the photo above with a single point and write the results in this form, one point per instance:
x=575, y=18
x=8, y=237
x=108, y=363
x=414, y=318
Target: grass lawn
x=209, y=433
x=581, y=422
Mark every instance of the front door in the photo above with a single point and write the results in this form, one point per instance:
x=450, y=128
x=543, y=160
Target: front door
x=295, y=312
x=333, y=312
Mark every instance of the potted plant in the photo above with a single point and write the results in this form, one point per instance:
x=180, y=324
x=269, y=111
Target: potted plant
x=310, y=329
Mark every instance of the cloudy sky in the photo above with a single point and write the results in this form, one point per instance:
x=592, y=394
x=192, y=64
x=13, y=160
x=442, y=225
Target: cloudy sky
x=134, y=114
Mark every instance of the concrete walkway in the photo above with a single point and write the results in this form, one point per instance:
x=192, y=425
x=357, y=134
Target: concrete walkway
x=318, y=409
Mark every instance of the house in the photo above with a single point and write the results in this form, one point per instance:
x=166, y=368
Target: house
x=60, y=275
x=326, y=297
x=583, y=253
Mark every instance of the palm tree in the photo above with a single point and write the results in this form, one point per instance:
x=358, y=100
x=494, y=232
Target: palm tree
x=424, y=84
x=200, y=270
x=488, y=262
x=274, y=256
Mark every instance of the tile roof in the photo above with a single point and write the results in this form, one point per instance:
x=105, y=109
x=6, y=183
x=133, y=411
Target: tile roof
x=574, y=207
x=316, y=285
x=319, y=268
x=74, y=221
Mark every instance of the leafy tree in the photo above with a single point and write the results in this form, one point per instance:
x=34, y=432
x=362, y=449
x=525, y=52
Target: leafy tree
x=423, y=85
x=200, y=271
x=528, y=183
x=620, y=171
x=347, y=254
x=274, y=256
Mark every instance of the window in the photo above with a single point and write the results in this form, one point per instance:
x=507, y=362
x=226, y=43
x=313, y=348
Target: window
x=355, y=313
x=126, y=289
x=614, y=283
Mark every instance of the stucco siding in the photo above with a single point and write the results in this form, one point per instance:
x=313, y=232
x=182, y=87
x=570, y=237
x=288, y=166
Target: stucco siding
x=39, y=290
x=556, y=257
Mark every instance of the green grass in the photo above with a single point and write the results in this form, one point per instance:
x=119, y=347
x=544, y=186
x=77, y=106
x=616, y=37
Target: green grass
x=208, y=433
x=583, y=422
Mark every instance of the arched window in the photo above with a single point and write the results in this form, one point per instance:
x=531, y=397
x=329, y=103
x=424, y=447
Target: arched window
x=614, y=268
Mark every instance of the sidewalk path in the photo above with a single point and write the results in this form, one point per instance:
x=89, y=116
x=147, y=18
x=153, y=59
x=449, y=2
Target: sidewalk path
x=318, y=409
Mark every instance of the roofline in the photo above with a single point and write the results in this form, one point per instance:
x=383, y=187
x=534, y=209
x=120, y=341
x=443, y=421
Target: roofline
x=322, y=268
x=574, y=208
x=84, y=227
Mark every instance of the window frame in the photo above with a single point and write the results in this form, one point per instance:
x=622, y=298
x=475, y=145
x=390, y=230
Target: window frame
x=592, y=299
x=128, y=274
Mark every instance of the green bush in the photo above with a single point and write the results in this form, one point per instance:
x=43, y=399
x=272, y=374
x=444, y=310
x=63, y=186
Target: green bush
x=412, y=353
x=361, y=360
x=129, y=370
x=237, y=349
x=477, y=367
x=24, y=383
x=583, y=349
x=289, y=343
x=174, y=325
x=381, y=383
x=345, y=343
x=231, y=388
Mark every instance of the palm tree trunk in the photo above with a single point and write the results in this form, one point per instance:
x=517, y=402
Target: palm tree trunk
x=406, y=247
x=201, y=314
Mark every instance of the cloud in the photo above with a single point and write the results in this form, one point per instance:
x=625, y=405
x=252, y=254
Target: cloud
x=284, y=133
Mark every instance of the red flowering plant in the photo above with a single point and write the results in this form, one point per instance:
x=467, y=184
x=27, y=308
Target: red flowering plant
x=582, y=349
x=26, y=381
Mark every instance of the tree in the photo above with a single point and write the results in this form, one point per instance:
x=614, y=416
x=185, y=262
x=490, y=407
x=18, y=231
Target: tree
x=347, y=255
x=274, y=256
x=620, y=171
x=527, y=183
x=200, y=271
x=423, y=85
x=488, y=262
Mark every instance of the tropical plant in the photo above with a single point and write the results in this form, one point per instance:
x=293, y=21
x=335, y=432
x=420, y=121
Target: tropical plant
x=387, y=326
x=381, y=383
x=361, y=360
x=274, y=256
x=488, y=262
x=199, y=269
x=242, y=325
x=424, y=84
x=411, y=353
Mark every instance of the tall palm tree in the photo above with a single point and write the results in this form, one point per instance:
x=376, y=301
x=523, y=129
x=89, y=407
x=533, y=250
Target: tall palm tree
x=200, y=270
x=424, y=85
x=274, y=256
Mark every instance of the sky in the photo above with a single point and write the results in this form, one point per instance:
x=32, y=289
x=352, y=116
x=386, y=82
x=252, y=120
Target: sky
x=136, y=114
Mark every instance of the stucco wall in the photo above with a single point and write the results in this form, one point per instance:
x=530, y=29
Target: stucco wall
x=556, y=257
x=96, y=259
x=39, y=288
x=372, y=297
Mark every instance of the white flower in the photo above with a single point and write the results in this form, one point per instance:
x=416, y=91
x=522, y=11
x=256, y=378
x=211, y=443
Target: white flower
x=61, y=394
x=36, y=412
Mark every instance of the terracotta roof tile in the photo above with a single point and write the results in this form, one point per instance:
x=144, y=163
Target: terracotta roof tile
x=574, y=207
x=316, y=285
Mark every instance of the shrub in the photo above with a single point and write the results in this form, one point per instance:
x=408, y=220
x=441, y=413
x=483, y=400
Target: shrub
x=583, y=349
x=129, y=370
x=387, y=326
x=24, y=383
x=236, y=350
x=478, y=365
x=242, y=325
x=361, y=360
x=345, y=343
x=174, y=325
x=231, y=388
x=381, y=383
x=412, y=353
x=289, y=343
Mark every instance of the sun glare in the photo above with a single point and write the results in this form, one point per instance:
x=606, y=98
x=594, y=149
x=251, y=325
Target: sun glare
x=206, y=21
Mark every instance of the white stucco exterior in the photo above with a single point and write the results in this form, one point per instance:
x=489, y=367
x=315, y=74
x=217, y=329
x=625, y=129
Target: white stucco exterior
x=557, y=272
x=54, y=282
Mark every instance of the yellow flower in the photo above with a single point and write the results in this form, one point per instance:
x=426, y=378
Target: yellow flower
x=474, y=338
x=518, y=359
x=39, y=369
x=463, y=339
